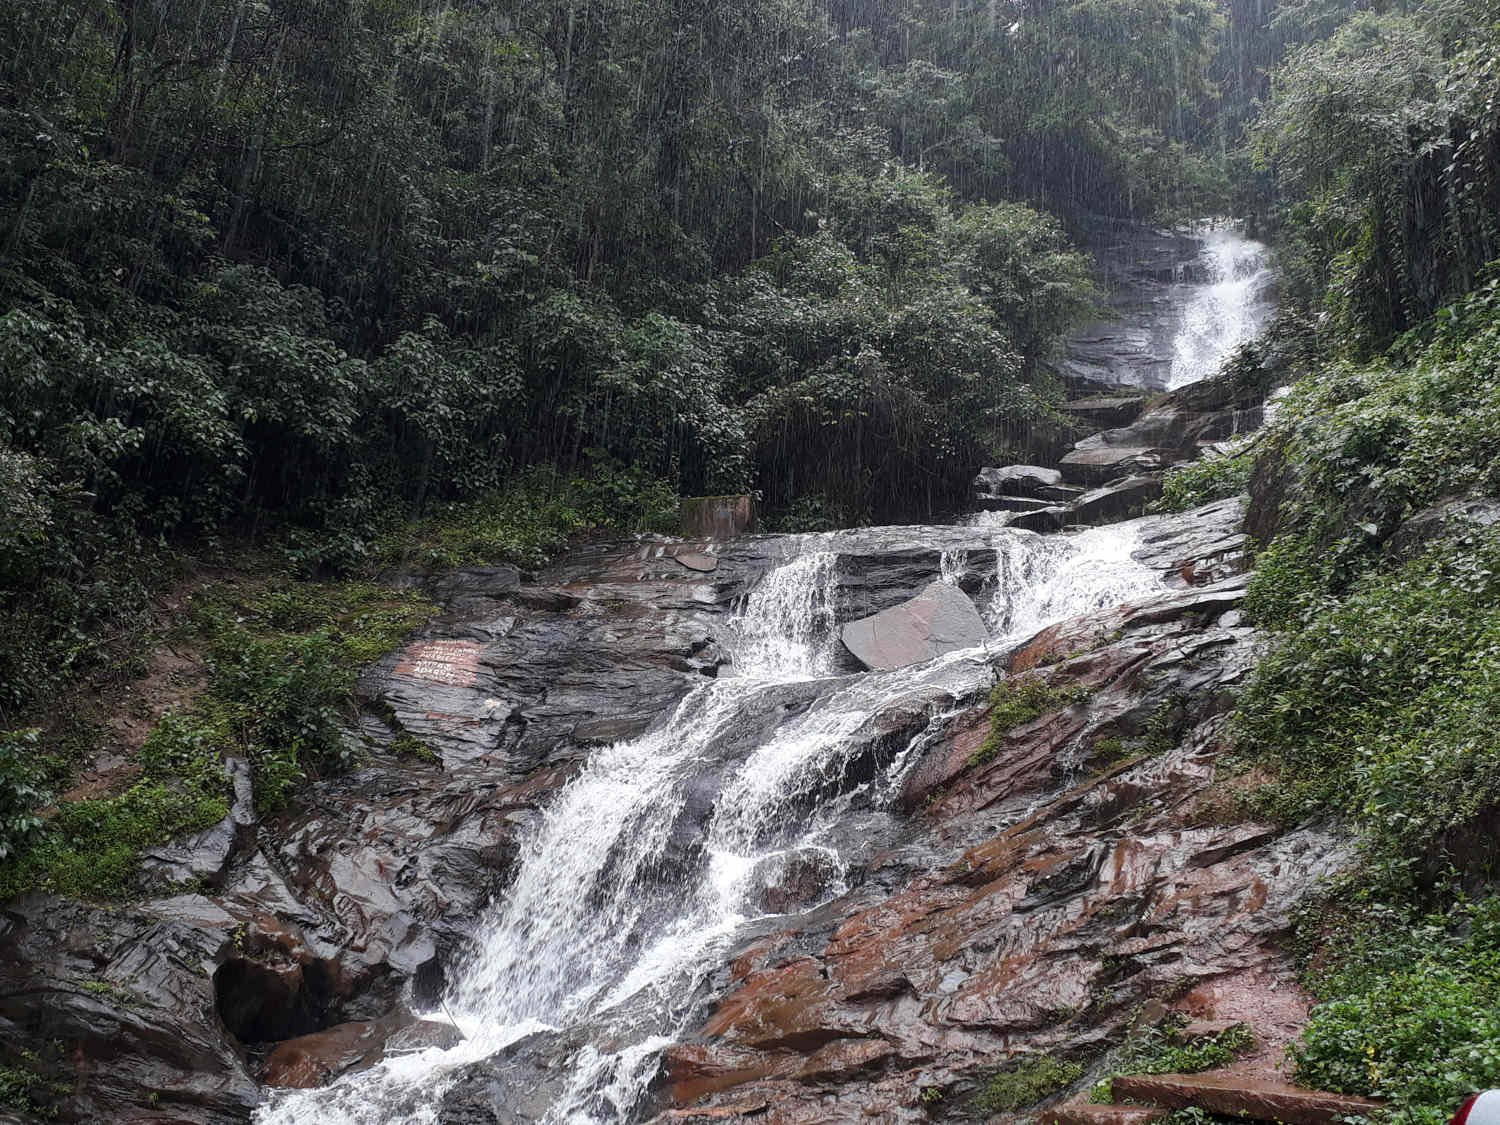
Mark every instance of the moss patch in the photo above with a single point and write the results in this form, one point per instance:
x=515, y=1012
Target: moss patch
x=1026, y=1083
x=1016, y=702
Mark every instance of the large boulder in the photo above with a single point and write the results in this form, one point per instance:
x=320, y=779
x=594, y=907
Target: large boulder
x=1105, y=410
x=1017, y=480
x=1118, y=501
x=942, y=618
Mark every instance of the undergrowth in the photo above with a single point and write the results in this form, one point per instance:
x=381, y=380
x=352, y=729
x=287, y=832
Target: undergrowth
x=1408, y=1010
x=1213, y=478
x=282, y=652
x=1378, y=704
x=1157, y=1050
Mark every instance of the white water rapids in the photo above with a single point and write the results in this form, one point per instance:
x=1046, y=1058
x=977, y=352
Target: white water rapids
x=666, y=850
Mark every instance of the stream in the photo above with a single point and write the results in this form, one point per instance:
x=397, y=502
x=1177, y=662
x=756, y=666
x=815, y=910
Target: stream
x=761, y=794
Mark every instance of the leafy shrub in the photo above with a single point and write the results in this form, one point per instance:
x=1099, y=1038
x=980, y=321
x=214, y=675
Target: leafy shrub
x=1367, y=444
x=284, y=700
x=1155, y=1050
x=1027, y=1083
x=21, y=790
x=91, y=847
x=1014, y=702
x=532, y=517
x=1408, y=1011
x=1213, y=478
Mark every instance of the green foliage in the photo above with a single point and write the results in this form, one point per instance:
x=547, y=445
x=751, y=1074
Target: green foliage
x=91, y=847
x=411, y=746
x=1383, y=703
x=1408, y=1010
x=21, y=791
x=1158, y=1050
x=284, y=668
x=1025, y=1083
x=1016, y=702
x=1378, y=700
x=1382, y=139
x=283, y=699
x=806, y=513
x=19, y=1089
x=284, y=663
x=529, y=519
x=1366, y=445
x=1212, y=478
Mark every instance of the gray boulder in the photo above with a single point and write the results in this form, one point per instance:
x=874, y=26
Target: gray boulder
x=1117, y=501
x=1016, y=480
x=940, y=619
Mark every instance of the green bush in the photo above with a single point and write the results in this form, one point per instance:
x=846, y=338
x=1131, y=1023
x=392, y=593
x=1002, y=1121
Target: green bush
x=1384, y=705
x=285, y=700
x=91, y=847
x=1408, y=1011
x=1026, y=1083
x=1214, y=478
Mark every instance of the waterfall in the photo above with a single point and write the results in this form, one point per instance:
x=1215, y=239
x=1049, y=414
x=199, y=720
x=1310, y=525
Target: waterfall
x=1228, y=310
x=650, y=866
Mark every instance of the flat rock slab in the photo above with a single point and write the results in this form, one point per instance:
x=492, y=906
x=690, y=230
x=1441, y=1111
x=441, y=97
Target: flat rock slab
x=1093, y=465
x=940, y=619
x=1084, y=1113
x=1260, y=1099
x=1043, y=520
x=1010, y=504
x=698, y=560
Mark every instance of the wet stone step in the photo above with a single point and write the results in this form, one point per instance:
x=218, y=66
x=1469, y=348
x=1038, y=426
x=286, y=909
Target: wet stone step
x=1084, y=1113
x=1243, y=1096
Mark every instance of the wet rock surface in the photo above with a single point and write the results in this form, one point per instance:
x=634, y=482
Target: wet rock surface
x=1067, y=874
x=113, y=1005
x=1092, y=867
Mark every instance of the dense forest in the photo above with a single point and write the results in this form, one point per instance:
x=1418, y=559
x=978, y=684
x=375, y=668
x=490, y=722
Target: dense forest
x=337, y=281
x=328, y=264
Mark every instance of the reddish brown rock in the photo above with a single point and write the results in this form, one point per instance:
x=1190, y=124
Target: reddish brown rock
x=311, y=1060
x=1242, y=1096
x=726, y=1112
x=844, y=1057
x=1083, y=1113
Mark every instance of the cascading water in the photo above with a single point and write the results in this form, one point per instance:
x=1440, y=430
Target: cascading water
x=1230, y=309
x=657, y=858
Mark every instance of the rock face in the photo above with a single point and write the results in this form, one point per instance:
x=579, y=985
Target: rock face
x=942, y=618
x=1120, y=500
x=114, y=1005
